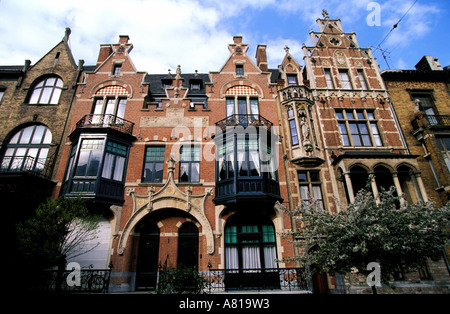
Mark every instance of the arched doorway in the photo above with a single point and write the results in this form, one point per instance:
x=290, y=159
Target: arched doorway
x=188, y=246
x=147, y=262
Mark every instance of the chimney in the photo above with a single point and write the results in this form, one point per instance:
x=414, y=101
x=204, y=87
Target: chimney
x=428, y=64
x=261, y=58
x=237, y=40
x=105, y=51
x=123, y=39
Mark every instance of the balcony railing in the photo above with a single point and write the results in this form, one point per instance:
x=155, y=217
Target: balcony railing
x=91, y=281
x=106, y=121
x=244, y=120
x=28, y=164
x=438, y=120
x=290, y=279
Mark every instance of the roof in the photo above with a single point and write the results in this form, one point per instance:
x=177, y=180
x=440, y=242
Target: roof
x=155, y=82
x=415, y=75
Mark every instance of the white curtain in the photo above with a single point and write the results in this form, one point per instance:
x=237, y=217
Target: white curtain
x=107, y=166
x=231, y=258
x=254, y=157
x=118, y=171
x=270, y=255
x=250, y=257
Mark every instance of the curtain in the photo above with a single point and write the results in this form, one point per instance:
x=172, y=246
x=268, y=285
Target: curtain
x=270, y=255
x=118, y=171
x=254, y=158
x=107, y=166
x=231, y=258
x=250, y=257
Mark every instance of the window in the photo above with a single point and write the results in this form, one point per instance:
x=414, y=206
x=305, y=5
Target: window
x=427, y=104
x=47, y=92
x=444, y=145
x=248, y=161
x=292, y=79
x=154, y=164
x=112, y=107
x=2, y=92
x=190, y=164
x=358, y=128
x=243, y=105
x=345, y=79
x=114, y=163
x=329, y=79
x=27, y=149
x=250, y=245
x=362, y=79
x=310, y=188
x=239, y=69
x=116, y=70
x=292, y=126
x=89, y=158
x=195, y=84
x=167, y=84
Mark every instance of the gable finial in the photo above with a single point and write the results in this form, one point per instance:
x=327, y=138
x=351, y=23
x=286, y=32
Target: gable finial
x=325, y=14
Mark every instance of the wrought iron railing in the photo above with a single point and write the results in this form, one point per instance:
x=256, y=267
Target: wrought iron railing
x=28, y=164
x=92, y=281
x=438, y=120
x=290, y=279
x=106, y=121
x=244, y=120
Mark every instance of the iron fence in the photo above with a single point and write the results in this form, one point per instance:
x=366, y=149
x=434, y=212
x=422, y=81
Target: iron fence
x=291, y=279
x=92, y=281
x=106, y=121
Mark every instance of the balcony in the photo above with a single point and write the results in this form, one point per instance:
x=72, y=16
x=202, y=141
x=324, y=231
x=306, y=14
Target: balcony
x=244, y=120
x=103, y=123
x=295, y=93
x=438, y=121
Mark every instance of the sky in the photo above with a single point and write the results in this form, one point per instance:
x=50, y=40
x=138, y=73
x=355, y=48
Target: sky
x=195, y=33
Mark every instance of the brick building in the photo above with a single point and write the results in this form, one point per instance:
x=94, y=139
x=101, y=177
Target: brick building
x=339, y=127
x=35, y=102
x=185, y=168
x=421, y=101
x=197, y=169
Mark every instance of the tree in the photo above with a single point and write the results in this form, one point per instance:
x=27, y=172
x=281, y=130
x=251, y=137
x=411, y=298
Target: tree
x=371, y=230
x=56, y=233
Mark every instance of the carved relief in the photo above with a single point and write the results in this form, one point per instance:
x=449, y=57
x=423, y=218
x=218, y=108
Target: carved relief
x=340, y=58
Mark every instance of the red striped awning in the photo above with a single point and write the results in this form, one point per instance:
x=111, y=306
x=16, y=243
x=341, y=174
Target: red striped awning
x=241, y=90
x=112, y=90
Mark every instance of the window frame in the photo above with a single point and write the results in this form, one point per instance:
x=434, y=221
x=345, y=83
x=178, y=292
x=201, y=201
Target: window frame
x=190, y=162
x=157, y=161
x=232, y=105
x=312, y=182
x=347, y=83
x=40, y=89
x=351, y=120
x=239, y=70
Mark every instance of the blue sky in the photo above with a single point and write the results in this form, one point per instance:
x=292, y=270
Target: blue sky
x=195, y=33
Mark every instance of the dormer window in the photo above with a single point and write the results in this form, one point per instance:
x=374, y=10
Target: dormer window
x=167, y=84
x=195, y=84
x=292, y=79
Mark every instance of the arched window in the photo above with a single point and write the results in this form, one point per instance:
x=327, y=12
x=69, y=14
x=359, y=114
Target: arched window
x=408, y=184
x=47, y=91
x=188, y=245
x=27, y=150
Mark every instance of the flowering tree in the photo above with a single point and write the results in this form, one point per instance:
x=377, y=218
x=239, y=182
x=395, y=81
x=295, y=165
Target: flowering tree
x=371, y=230
x=56, y=233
